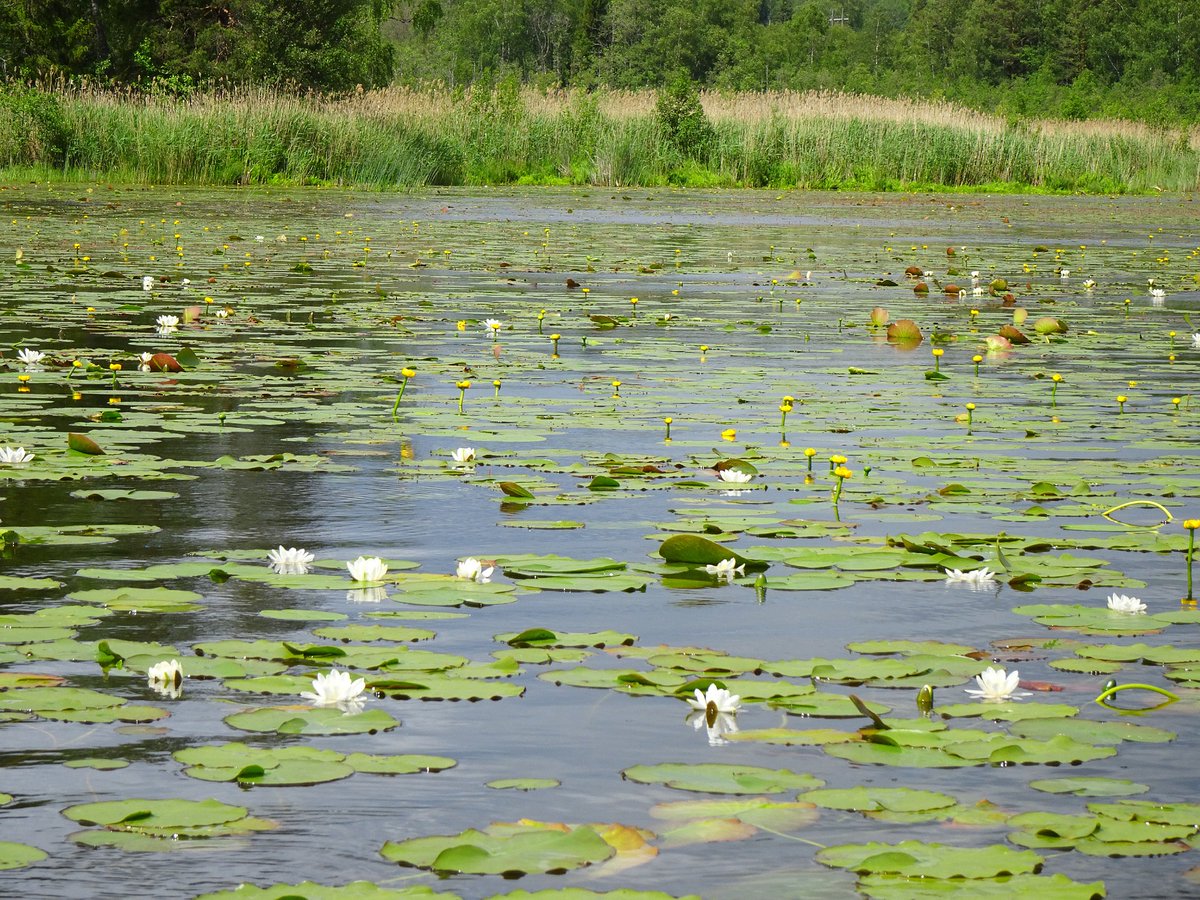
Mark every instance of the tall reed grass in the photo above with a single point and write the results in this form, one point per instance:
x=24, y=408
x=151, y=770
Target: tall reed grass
x=406, y=137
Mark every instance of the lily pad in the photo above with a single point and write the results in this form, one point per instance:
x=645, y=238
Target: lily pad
x=694, y=550
x=722, y=778
x=914, y=859
x=523, y=784
x=310, y=721
x=18, y=856
x=503, y=850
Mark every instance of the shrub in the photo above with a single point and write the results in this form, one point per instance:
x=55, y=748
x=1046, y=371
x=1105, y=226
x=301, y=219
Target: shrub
x=681, y=118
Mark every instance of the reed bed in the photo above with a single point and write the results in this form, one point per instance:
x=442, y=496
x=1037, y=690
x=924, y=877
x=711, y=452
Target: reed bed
x=401, y=137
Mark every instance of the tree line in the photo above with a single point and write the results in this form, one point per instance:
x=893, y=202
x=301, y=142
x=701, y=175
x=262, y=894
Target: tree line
x=1025, y=58
x=1061, y=58
x=178, y=45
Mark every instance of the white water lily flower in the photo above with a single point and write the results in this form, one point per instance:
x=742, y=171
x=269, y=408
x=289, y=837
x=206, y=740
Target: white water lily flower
x=147, y=282
x=367, y=568
x=14, y=456
x=733, y=476
x=223, y=312
x=168, y=672
x=289, y=560
x=493, y=325
x=145, y=358
x=473, y=570
x=336, y=688
x=726, y=569
x=977, y=291
x=1196, y=341
x=976, y=578
x=975, y=276
x=721, y=725
x=1125, y=604
x=1064, y=274
x=30, y=357
x=996, y=685
x=463, y=455
x=167, y=323
x=717, y=697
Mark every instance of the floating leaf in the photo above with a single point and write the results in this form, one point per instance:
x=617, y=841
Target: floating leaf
x=81, y=443
x=694, y=550
x=17, y=856
x=721, y=778
x=523, y=784
x=304, y=720
x=915, y=859
x=503, y=850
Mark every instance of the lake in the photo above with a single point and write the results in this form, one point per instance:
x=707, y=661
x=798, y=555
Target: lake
x=531, y=725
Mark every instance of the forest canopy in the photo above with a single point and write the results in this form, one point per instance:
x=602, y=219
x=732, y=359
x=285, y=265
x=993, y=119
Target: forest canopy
x=1026, y=58
x=180, y=44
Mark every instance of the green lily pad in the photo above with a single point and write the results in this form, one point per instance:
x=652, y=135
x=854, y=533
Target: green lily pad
x=1014, y=887
x=140, y=600
x=1089, y=786
x=523, y=784
x=874, y=799
x=18, y=856
x=146, y=815
x=777, y=815
x=694, y=550
x=123, y=494
x=354, y=890
x=1092, y=732
x=407, y=764
x=302, y=615
x=543, y=637
x=915, y=859
x=24, y=583
x=503, y=850
x=722, y=778
x=97, y=763
x=310, y=721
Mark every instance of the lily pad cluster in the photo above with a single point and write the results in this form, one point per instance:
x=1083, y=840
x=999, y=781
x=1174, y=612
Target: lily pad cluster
x=444, y=377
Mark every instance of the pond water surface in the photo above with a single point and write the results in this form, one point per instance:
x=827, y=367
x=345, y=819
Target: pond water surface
x=299, y=312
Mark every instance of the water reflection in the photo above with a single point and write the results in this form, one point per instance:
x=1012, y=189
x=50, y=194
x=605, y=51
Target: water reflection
x=583, y=737
x=366, y=595
x=716, y=727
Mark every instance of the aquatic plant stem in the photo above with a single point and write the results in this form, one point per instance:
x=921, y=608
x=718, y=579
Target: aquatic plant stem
x=1191, y=525
x=405, y=374
x=1108, y=692
x=1107, y=514
x=791, y=837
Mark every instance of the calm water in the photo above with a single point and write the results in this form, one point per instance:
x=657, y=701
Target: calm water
x=707, y=260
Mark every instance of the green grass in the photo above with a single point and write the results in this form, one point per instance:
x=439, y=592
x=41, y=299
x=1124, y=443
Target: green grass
x=403, y=138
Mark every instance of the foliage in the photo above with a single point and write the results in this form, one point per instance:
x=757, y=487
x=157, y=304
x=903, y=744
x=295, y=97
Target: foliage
x=32, y=126
x=168, y=46
x=681, y=117
x=1046, y=58
x=511, y=134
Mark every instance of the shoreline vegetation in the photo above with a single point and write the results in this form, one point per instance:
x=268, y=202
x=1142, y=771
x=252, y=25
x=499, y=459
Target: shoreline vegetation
x=404, y=137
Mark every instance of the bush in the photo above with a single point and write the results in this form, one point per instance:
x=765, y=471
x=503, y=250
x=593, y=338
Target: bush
x=681, y=118
x=36, y=128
